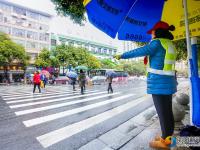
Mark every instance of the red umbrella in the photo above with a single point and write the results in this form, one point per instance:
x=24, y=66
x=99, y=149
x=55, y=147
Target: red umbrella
x=45, y=72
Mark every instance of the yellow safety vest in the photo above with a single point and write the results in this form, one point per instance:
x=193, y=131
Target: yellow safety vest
x=170, y=59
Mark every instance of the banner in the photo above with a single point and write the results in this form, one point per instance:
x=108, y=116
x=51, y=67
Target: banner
x=175, y=8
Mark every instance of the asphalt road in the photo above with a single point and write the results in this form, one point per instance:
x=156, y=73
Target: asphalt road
x=60, y=119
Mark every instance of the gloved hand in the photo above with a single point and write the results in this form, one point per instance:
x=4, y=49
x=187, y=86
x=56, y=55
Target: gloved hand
x=118, y=57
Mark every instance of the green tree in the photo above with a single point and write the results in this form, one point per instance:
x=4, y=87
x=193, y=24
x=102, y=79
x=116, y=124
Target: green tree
x=46, y=59
x=133, y=67
x=75, y=56
x=72, y=8
x=108, y=64
x=11, y=53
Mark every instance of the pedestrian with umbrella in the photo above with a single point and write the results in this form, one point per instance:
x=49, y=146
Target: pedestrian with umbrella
x=72, y=76
x=110, y=75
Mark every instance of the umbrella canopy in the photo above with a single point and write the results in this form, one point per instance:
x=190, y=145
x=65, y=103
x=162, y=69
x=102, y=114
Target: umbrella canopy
x=45, y=72
x=131, y=19
x=111, y=73
x=72, y=74
x=81, y=67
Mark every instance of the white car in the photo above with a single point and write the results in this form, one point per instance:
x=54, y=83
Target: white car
x=98, y=79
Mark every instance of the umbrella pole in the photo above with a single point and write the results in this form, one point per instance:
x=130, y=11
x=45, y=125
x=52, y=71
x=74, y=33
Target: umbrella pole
x=189, y=51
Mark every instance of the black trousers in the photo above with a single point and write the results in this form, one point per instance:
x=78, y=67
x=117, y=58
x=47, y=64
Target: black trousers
x=110, y=87
x=38, y=85
x=163, y=105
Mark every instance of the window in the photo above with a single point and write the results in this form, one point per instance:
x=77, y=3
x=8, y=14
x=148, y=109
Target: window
x=5, y=29
x=32, y=35
x=99, y=50
x=93, y=49
x=105, y=51
x=43, y=27
x=7, y=19
x=1, y=17
x=115, y=51
x=110, y=51
x=19, y=11
x=44, y=37
x=18, y=21
x=70, y=43
x=42, y=46
x=5, y=7
x=18, y=32
x=21, y=42
x=79, y=44
x=53, y=42
x=44, y=18
x=33, y=25
x=31, y=45
x=32, y=15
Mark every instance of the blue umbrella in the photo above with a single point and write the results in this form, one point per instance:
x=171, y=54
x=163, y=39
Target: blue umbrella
x=72, y=74
x=111, y=73
x=125, y=18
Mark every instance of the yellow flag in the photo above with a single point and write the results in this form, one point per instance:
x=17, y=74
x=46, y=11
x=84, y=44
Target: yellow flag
x=85, y=2
x=173, y=13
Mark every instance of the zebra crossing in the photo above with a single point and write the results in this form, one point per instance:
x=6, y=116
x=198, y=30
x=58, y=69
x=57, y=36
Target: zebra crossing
x=83, y=112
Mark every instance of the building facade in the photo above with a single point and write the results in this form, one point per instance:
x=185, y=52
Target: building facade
x=99, y=50
x=27, y=27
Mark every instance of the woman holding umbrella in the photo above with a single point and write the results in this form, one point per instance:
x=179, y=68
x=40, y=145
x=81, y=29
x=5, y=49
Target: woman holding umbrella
x=161, y=83
x=72, y=76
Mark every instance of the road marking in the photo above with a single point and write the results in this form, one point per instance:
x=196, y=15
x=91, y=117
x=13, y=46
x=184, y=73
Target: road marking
x=19, y=113
x=41, y=98
x=53, y=100
x=47, y=118
x=33, y=95
x=58, y=135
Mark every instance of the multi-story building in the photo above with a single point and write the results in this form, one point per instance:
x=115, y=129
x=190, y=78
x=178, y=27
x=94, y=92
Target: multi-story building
x=97, y=49
x=27, y=27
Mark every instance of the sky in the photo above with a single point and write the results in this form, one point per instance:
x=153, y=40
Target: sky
x=63, y=25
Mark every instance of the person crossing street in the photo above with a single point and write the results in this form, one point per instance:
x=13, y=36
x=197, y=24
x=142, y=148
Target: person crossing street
x=36, y=81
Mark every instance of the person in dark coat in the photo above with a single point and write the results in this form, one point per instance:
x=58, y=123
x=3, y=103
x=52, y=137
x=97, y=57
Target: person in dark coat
x=82, y=79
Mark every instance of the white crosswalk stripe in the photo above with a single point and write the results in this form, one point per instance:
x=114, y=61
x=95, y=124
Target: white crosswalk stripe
x=18, y=113
x=45, y=109
x=58, y=135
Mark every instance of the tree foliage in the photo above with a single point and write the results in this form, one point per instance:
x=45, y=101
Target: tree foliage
x=133, y=67
x=72, y=8
x=108, y=64
x=11, y=53
x=64, y=55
